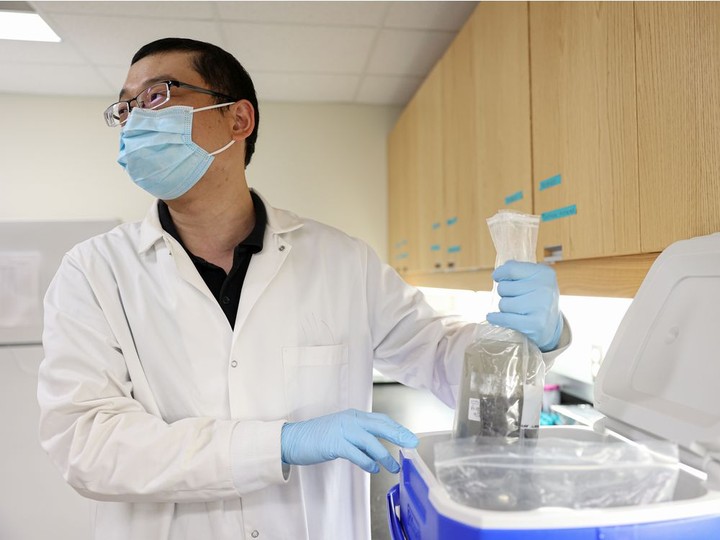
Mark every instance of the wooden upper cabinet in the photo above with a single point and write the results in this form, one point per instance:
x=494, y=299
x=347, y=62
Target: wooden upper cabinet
x=502, y=115
x=584, y=128
x=402, y=211
x=431, y=213
x=459, y=161
x=678, y=80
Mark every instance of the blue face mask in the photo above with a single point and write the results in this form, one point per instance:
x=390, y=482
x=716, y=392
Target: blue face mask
x=157, y=150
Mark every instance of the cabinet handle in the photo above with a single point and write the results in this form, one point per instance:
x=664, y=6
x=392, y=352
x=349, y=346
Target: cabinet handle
x=451, y=265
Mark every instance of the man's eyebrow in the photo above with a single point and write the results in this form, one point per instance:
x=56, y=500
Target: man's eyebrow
x=148, y=83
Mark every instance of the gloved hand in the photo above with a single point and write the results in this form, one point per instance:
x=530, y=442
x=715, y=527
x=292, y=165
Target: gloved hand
x=348, y=434
x=529, y=302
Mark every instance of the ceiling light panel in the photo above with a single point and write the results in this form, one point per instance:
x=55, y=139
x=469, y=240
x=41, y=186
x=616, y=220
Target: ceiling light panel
x=24, y=26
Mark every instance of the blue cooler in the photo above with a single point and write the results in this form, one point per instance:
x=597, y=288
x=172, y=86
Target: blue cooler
x=660, y=379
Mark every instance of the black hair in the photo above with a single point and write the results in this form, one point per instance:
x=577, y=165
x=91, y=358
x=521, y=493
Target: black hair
x=218, y=68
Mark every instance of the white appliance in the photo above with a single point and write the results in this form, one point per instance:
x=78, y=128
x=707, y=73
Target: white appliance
x=35, y=502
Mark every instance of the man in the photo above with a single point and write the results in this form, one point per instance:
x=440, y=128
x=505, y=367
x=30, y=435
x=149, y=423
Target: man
x=205, y=367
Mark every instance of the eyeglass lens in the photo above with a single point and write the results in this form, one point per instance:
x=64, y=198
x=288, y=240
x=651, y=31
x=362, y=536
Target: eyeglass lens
x=150, y=98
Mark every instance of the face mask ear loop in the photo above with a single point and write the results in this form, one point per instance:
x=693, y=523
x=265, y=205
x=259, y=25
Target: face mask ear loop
x=228, y=145
x=213, y=107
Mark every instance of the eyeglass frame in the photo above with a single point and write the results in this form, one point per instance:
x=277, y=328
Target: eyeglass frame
x=169, y=83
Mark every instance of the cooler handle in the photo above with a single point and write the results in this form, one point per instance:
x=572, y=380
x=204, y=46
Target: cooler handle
x=396, y=530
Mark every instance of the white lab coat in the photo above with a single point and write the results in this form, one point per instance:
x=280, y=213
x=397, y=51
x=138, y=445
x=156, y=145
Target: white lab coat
x=153, y=406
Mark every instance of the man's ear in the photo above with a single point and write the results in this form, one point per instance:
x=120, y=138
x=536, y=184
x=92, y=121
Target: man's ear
x=243, y=114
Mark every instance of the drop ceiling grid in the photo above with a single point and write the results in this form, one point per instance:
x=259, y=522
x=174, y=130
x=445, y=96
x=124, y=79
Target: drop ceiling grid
x=366, y=52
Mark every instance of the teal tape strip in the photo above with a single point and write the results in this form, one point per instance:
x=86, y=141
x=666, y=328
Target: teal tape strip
x=435, y=247
x=517, y=196
x=550, y=182
x=401, y=243
x=453, y=249
x=435, y=226
x=402, y=256
x=558, y=213
x=452, y=221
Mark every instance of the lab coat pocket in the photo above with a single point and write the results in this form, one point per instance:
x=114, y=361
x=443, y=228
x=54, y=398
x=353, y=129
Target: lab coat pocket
x=316, y=380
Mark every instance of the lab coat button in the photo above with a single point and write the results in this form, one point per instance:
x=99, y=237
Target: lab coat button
x=281, y=248
x=233, y=363
x=254, y=534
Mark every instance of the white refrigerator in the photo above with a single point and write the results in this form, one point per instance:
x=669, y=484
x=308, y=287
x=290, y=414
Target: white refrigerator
x=35, y=502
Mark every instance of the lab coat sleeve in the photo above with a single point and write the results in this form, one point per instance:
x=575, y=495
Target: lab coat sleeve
x=106, y=443
x=564, y=342
x=411, y=342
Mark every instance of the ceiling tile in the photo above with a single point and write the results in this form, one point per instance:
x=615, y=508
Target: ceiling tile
x=291, y=87
x=53, y=79
x=314, y=49
x=35, y=52
x=317, y=13
x=176, y=10
x=408, y=52
x=372, y=52
x=114, y=40
x=429, y=15
x=387, y=90
x=114, y=75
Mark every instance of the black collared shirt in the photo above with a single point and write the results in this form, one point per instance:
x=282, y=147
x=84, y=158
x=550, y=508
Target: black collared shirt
x=225, y=288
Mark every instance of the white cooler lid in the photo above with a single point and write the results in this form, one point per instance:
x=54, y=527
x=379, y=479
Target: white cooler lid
x=661, y=373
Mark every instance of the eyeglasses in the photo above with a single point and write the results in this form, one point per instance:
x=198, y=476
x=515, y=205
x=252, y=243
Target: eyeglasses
x=151, y=98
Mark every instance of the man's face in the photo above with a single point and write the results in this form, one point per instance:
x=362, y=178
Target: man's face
x=211, y=129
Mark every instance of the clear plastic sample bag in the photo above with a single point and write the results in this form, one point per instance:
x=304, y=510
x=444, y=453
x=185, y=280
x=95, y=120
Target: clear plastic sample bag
x=495, y=473
x=503, y=371
x=502, y=385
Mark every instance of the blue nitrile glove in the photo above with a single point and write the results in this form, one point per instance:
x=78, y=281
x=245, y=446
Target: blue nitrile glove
x=529, y=302
x=348, y=434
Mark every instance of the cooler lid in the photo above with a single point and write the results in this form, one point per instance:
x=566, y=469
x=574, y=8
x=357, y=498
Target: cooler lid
x=661, y=373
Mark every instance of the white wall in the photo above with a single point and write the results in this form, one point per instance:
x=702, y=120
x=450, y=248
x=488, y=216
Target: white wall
x=326, y=162
x=58, y=162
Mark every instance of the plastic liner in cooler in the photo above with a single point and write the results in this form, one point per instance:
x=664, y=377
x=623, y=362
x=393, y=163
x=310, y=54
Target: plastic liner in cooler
x=419, y=508
x=502, y=473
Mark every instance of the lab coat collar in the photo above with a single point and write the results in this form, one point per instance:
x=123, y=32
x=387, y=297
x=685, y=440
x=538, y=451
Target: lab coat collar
x=278, y=221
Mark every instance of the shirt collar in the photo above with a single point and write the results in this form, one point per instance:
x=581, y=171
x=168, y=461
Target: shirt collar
x=278, y=221
x=254, y=240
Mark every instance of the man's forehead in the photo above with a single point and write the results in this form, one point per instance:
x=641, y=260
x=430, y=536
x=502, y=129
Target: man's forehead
x=157, y=68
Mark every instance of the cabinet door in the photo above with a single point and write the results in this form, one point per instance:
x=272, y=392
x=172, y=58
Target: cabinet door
x=429, y=178
x=502, y=114
x=402, y=203
x=584, y=128
x=678, y=79
x=460, y=223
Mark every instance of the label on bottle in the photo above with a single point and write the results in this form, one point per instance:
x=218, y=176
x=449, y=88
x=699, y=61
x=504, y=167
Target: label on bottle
x=474, y=409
